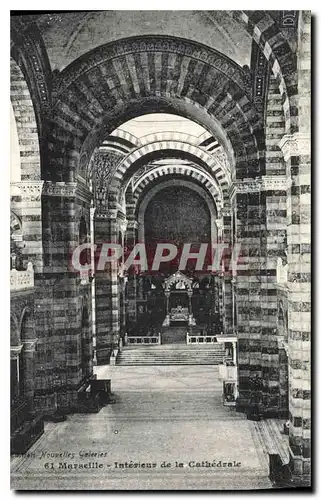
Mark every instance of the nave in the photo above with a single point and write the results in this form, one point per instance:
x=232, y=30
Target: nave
x=161, y=414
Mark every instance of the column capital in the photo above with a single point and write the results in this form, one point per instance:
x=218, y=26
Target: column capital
x=296, y=144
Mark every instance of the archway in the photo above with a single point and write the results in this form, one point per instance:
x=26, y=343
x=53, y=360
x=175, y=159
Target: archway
x=204, y=97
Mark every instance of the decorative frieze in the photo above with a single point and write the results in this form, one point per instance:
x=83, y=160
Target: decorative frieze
x=106, y=214
x=297, y=144
x=27, y=189
x=34, y=189
x=60, y=189
x=265, y=183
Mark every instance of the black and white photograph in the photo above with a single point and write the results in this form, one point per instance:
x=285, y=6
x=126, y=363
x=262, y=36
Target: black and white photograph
x=160, y=250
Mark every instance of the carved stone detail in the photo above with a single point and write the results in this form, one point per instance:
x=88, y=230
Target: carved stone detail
x=151, y=44
x=106, y=214
x=60, y=188
x=266, y=183
x=27, y=189
x=295, y=145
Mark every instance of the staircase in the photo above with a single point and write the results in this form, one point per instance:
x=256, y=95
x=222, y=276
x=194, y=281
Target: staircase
x=175, y=354
x=174, y=335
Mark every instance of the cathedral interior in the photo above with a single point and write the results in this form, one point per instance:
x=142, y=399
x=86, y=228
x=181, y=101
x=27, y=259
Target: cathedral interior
x=185, y=127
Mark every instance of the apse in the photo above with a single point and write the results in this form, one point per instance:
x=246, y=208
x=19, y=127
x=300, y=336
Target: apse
x=177, y=215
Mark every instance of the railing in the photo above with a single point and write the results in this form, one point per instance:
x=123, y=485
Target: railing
x=200, y=339
x=20, y=280
x=155, y=340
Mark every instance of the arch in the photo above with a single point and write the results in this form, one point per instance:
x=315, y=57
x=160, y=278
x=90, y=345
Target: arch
x=275, y=47
x=215, y=168
x=15, y=227
x=169, y=136
x=187, y=171
x=26, y=124
x=126, y=136
x=176, y=278
x=121, y=142
x=15, y=337
x=187, y=78
x=26, y=325
x=142, y=205
x=16, y=242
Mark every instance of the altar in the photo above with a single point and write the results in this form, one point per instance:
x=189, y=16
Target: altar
x=179, y=313
x=178, y=293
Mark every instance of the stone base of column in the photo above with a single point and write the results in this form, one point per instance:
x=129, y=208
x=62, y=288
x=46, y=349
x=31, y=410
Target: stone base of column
x=103, y=354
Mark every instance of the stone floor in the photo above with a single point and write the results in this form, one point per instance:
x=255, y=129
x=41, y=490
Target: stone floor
x=162, y=415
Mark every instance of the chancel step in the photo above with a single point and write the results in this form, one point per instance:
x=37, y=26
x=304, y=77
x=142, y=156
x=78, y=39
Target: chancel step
x=179, y=354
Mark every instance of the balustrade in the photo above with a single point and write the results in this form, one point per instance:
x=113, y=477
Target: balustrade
x=20, y=280
x=155, y=339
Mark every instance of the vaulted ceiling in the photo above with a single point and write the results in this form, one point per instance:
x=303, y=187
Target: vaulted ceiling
x=67, y=35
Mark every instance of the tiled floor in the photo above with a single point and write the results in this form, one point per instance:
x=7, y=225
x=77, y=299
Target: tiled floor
x=162, y=415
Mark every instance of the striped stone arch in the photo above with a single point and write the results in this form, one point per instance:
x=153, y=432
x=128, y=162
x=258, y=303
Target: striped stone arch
x=129, y=78
x=267, y=33
x=187, y=172
x=26, y=324
x=26, y=123
x=203, y=137
x=170, y=136
x=125, y=169
x=127, y=136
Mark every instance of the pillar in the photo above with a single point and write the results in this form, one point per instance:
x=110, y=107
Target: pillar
x=107, y=290
x=296, y=150
x=58, y=299
x=131, y=291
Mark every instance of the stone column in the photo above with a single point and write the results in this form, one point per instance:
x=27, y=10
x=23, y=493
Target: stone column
x=131, y=295
x=93, y=285
x=296, y=149
x=107, y=290
x=29, y=368
x=226, y=302
x=58, y=298
x=15, y=353
x=249, y=278
x=167, y=320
